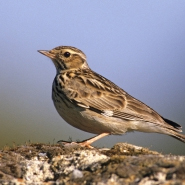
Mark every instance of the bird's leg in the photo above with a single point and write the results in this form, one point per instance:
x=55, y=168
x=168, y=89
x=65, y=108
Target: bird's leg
x=88, y=142
x=85, y=143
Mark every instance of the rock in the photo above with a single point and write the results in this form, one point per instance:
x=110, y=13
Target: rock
x=56, y=164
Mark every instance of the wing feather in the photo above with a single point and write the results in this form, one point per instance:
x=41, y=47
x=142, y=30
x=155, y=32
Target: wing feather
x=93, y=91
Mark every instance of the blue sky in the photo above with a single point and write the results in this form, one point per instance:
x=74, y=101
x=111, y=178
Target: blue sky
x=139, y=45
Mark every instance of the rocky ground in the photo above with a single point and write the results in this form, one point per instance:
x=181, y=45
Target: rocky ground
x=71, y=164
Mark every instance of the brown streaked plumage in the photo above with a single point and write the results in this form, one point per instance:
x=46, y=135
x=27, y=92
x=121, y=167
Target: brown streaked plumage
x=92, y=103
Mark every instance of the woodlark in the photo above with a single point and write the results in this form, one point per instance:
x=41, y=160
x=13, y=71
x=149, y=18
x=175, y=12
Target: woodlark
x=92, y=103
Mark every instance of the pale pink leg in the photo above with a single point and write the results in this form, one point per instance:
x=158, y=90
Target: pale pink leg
x=85, y=143
x=88, y=142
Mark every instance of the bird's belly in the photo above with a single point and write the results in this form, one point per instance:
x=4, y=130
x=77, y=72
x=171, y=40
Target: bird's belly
x=92, y=122
x=89, y=121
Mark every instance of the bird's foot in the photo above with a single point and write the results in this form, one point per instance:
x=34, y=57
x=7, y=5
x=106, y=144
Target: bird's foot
x=86, y=143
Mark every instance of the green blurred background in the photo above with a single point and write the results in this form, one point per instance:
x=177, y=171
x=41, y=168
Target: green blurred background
x=139, y=45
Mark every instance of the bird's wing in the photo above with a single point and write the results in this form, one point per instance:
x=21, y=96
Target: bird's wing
x=97, y=93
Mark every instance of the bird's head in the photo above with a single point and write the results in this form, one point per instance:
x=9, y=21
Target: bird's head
x=66, y=58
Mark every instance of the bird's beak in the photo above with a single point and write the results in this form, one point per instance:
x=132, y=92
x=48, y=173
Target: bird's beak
x=47, y=53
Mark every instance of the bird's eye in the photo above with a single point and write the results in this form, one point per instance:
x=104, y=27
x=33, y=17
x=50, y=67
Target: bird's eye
x=67, y=54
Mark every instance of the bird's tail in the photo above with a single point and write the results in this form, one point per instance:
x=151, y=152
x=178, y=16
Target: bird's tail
x=176, y=135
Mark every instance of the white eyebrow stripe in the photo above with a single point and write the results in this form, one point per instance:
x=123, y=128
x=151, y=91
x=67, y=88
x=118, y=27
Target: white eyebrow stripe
x=76, y=52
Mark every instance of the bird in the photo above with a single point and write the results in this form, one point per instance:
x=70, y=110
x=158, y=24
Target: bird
x=90, y=102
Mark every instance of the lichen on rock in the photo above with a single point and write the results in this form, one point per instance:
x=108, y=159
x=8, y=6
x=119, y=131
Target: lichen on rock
x=122, y=164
